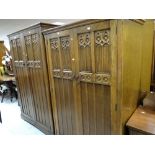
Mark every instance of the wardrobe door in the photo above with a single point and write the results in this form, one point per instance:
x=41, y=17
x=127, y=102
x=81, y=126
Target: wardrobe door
x=62, y=72
x=92, y=48
x=37, y=81
x=25, y=98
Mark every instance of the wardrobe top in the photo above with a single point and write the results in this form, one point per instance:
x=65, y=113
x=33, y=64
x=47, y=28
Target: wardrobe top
x=83, y=23
x=42, y=25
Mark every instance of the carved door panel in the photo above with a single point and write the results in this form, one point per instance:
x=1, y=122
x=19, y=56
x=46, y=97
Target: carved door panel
x=24, y=93
x=63, y=86
x=38, y=82
x=15, y=44
x=92, y=48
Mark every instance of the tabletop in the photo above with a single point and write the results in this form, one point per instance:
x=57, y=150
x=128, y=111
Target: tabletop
x=143, y=119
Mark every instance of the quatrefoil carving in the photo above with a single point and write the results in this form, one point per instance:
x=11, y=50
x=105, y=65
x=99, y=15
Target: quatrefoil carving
x=57, y=73
x=103, y=79
x=68, y=75
x=37, y=64
x=86, y=77
x=30, y=64
x=28, y=40
x=102, y=38
x=16, y=63
x=54, y=43
x=65, y=42
x=84, y=40
x=35, y=38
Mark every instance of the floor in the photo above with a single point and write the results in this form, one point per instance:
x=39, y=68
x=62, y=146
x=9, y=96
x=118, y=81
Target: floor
x=12, y=123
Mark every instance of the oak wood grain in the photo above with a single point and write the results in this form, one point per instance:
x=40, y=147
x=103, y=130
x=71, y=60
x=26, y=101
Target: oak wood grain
x=142, y=121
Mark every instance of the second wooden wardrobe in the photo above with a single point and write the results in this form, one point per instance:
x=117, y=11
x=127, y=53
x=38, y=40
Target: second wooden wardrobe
x=30, y=67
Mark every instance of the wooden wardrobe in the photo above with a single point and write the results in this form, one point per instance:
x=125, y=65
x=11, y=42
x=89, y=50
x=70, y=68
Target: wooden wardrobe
x=30, y=67
x=95, y=74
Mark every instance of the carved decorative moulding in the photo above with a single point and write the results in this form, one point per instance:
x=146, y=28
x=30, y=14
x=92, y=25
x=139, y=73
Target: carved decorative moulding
x=28, y=40
x=19, y=63
x=22, y=64
x=84, y=40
x=65, y=42
x=16, y=63
x=102, y=38
x=103, y=79
x=86, y=77
x=54, y=43
x=37, y=64
x=30, y=64
x=34, y=38
x=68, y=75
x=57, y=73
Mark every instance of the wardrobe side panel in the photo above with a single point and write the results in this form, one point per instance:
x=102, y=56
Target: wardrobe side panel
x=131, y=75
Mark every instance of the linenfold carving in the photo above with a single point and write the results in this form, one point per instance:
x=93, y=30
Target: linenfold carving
x=84, y=40
x=102, y=38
